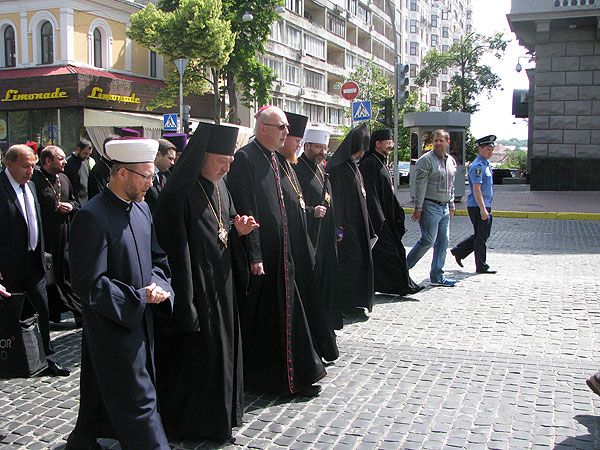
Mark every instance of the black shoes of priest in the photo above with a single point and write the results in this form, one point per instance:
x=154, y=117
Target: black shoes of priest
x=457, y=258
x=310, y=391
x=55, y=370
x=488, y=271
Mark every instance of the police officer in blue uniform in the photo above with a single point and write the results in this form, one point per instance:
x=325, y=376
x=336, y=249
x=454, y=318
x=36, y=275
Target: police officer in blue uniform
x=479, y=206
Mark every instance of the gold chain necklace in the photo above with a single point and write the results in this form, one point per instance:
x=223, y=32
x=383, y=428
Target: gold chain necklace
x=294, y=182
x=55, y=190
x=359, y=179
x=322, y=183
x=222, y=233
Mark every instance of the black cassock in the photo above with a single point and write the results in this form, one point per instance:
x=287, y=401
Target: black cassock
x=387, y=218
x=55, y=226
x=322, y=234
x=354, y=252
x=278, y=348
x=99, y=176
x=116, y=255
x=320, y=323
x=199, y=352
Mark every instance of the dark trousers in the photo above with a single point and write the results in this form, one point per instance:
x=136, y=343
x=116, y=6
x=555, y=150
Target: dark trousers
x=33, y=282
x=476, y=242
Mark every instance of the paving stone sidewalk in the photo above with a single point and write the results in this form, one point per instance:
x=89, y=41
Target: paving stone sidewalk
x=497, y=362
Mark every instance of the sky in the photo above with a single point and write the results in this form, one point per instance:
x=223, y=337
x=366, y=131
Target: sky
x=495, y=114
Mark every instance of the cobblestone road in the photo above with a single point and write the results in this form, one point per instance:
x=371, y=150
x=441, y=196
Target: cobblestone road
x=497, y=362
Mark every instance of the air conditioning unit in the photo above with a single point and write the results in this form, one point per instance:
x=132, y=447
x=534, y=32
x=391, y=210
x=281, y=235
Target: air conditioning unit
x=303, y=52
x=301, y=91
x=338, y=9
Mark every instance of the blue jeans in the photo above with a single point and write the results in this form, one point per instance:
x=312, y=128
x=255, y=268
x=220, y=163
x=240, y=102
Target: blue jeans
x=435, y=232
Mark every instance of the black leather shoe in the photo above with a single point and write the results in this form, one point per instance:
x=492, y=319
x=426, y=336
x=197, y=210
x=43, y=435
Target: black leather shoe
x=310, y=391
x=458, y=259
x=54, y=370
x=488, y=271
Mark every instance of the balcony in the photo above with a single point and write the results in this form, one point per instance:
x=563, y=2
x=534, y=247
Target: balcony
x=536, y=7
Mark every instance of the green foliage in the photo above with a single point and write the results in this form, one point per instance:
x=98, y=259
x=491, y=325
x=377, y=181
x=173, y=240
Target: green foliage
x=470, y=77
x=513, y=141
x=192, y=29
x=516, y=158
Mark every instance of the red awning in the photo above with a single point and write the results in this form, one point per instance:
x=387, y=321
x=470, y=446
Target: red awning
x=65, y=70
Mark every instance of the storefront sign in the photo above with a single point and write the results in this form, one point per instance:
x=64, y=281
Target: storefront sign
x=13, y=95
x=99, y=94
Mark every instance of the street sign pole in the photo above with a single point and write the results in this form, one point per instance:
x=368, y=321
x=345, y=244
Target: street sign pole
x=181, y=64
x=349, y=91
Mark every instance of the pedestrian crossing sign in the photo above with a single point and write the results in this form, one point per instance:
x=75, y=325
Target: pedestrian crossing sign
x=361, y=110
x=170, y=122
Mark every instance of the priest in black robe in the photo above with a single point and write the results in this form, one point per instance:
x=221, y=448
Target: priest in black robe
x=352, y=219
x=317, y=192
x=387, y=218
x=100, y=173
x=123, y=280
x=199, y=351
x=303, y=251
x=57, y=206
x=278, y=349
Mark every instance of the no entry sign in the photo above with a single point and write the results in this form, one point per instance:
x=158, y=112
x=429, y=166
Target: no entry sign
x=350, y=90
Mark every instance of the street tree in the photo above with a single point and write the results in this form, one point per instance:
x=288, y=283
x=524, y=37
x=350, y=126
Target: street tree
x=192, y=29
x=470, y=76
x=376, y=86
x=244, y=73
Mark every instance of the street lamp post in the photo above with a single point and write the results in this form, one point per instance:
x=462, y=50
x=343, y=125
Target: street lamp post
x=181, y=64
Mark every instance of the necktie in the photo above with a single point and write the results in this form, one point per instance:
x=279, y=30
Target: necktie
x=32, y=228
x=161, y=179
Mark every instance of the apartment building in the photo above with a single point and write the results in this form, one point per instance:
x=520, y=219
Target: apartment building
x=317, y=44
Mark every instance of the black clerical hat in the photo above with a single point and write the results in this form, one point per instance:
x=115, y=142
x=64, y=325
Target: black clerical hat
x=297, y=124
x=211, y=138
x=486, y=141
x=179, y=140
x=383, y=134
x=356, y=140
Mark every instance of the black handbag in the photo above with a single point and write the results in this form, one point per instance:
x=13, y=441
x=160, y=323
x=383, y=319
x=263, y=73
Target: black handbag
x=21, y=349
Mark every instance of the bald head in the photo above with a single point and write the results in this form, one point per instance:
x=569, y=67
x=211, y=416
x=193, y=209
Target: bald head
x=271, y=128
x=20, y=161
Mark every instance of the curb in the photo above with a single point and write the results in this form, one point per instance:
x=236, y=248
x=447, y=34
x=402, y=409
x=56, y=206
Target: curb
x=530, y=214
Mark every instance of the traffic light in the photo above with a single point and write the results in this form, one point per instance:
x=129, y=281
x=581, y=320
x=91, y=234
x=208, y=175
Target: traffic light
x=187, y=124
x=385, y=113
x=403, y=82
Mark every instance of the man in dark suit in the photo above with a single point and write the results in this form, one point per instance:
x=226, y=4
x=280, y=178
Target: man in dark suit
x=165, y=159
x=22, y=244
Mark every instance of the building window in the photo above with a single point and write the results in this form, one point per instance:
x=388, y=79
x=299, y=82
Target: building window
x=434, y=40
x=152, y=64
x=445, y=48
x=444, y=86
x=364, y=14
x=353, y=61
x=47, y=43
x=433, y=82
x=445, y=32
x=352, y=6
x=292, y=74
x=413, y=5
x=413, y=70
x=294, y=6
x=434, y=21
x=335, y=116
x=97, y=48
x=10, y=54
x=315, y=113
x=314, y=46
x=277, y=31
x=314, y=80
x=336, y=25
x=414, y=48
x=433, y=100
x=444, y=15
x=292, y=106
x=274, y=65
x=293, y=37
x=413, y=26
x=444, y=71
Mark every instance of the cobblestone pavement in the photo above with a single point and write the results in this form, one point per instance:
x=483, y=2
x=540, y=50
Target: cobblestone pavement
x=497, y=362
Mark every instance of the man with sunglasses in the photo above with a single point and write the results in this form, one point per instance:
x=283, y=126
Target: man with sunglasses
x=278, y=349
x=479, y=206
x=123, y=279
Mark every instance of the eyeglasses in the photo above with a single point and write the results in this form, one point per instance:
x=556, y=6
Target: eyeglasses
x=146, y=178
x=281, y=127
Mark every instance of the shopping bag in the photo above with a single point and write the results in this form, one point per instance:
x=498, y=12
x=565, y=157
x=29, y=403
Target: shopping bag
x=21, y=349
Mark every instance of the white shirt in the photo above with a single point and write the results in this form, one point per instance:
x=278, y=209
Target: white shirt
x=21, y=199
